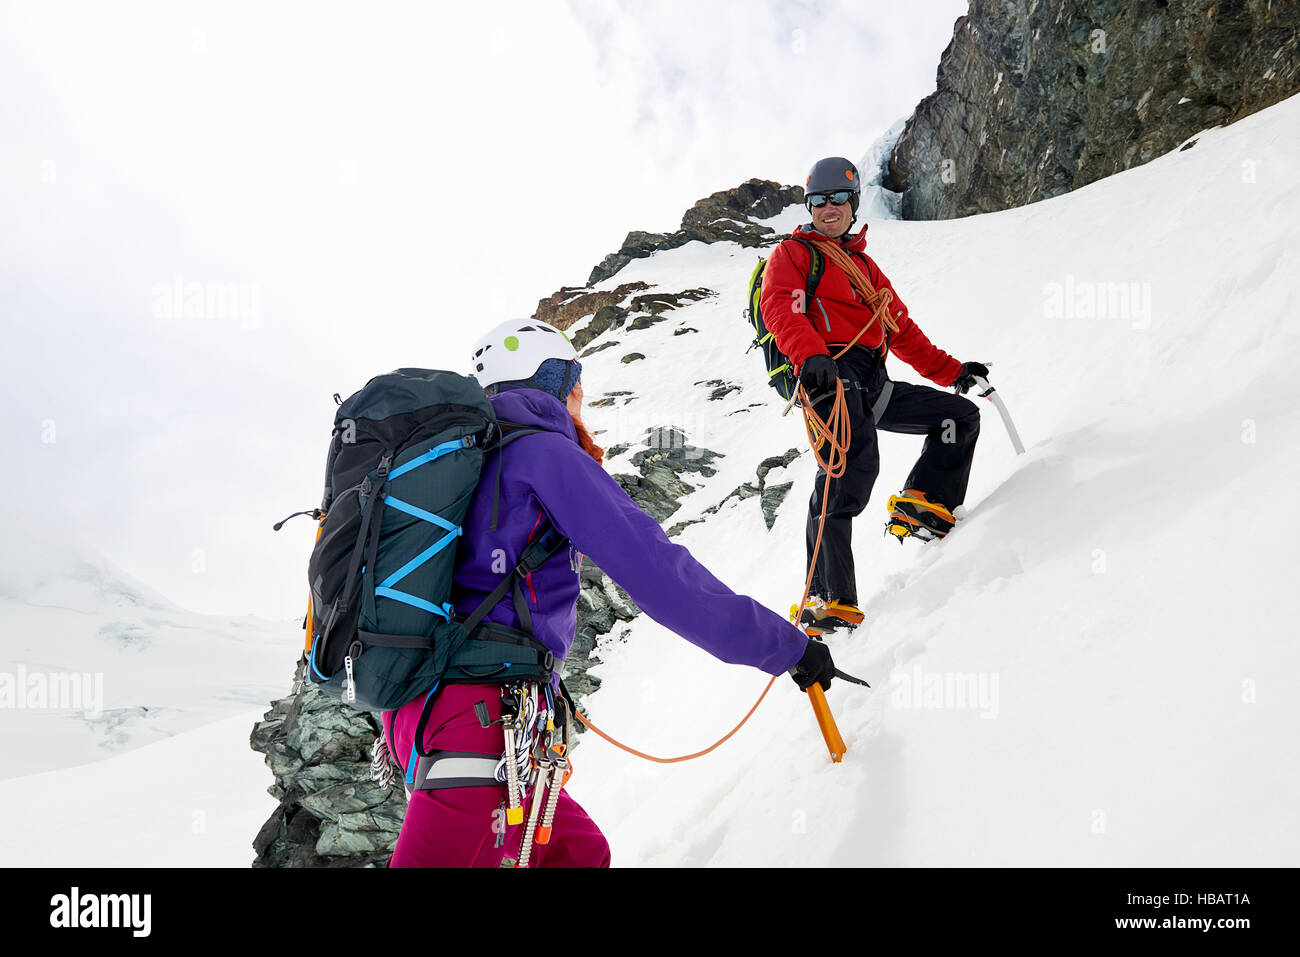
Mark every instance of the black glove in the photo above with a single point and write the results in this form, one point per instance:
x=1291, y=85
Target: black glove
x=966, y=377
x=815, y=667
x=818, y=375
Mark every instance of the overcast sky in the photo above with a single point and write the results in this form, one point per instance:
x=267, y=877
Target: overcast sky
x=374, y=184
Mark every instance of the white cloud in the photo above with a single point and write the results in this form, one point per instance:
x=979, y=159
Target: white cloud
x=388, y=181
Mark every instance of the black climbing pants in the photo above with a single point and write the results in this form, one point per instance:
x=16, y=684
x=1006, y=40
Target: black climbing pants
x=950, y=424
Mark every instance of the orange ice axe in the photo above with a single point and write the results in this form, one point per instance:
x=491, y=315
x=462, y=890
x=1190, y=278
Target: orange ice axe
x=826, y=721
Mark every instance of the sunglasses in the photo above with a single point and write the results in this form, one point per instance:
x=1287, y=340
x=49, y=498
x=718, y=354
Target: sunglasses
x=837, y=198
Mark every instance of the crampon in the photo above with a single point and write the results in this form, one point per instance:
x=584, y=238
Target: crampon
x=819, y=617
x=913, y=515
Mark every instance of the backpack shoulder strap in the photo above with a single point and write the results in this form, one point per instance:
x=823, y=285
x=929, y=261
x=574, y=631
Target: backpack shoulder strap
x=816, y=267
x=546, y=543
x=498, y=438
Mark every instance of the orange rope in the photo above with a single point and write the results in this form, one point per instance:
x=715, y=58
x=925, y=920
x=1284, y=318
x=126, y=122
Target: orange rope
x=877, y=300
x=685, y=757
x=835, y=432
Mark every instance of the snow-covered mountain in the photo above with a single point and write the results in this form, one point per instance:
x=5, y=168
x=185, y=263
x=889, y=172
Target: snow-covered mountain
x=1098, y=666
x=95, y=663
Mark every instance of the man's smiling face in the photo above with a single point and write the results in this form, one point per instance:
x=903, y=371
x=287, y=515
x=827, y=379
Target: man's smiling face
x=831, y=220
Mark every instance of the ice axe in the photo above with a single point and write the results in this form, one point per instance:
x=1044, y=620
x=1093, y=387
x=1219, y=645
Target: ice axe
x=988, y=392
x=826, y=721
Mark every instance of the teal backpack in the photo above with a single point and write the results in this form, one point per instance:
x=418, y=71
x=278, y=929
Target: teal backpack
x=405, y=458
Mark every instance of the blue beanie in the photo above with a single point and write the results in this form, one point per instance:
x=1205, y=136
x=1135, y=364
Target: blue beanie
x=555, y=377
x=558, y=376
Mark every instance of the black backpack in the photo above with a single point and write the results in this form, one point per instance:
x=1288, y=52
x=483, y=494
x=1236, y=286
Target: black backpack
x=405, y=458
x=780, y=373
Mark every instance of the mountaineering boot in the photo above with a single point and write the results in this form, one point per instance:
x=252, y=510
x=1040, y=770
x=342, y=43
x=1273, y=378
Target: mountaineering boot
x=911, y=513
x=819, y=617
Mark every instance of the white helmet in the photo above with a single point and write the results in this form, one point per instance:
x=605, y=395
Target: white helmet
x=513, y=350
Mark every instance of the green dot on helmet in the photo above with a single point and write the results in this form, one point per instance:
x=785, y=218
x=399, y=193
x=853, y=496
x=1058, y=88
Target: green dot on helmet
x=512, y=343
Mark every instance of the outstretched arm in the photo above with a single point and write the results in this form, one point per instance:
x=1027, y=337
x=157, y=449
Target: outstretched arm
x=663, y=578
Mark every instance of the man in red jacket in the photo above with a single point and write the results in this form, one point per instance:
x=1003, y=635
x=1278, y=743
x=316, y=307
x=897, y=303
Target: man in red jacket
x=813, y=333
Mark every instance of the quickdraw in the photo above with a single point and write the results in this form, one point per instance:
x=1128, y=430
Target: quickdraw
x=553, y=769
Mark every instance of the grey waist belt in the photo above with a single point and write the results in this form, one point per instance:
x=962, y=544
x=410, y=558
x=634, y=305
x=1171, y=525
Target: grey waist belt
x=878, y=408
x=455, y=769
x=882, y=400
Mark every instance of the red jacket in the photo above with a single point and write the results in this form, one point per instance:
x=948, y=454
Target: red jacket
x=837, y=313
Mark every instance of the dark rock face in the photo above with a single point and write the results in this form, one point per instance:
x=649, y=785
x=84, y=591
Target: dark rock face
x=660, y=302
x=728, y=215
x=644, y=322
x=611, y=398
x=721, y=388
x=613, y=314
x=1036, y=99
x=600, y=348
x=770, y=496
x=667, y=456
x=571, y=303
x=331, y=814
x=606, y=318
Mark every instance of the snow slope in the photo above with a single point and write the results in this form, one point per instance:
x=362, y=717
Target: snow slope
x=195, y=799
x=1097, y=667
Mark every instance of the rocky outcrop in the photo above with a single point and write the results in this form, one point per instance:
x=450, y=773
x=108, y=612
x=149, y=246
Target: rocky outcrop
x=571, y=303
x=330, y=813
x=1036, y=99
x=727, y=216
x=770, y=496
x=721, y=388
x=614, y=314
x=659, y=486
x=610, y=399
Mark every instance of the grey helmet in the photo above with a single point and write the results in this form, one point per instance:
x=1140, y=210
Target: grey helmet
x=831, y=174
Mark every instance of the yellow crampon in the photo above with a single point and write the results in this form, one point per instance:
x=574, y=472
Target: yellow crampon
x=905, y=522
x=819, y=617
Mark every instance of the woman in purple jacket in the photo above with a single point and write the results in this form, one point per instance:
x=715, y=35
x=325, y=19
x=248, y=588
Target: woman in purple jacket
x=531, y=372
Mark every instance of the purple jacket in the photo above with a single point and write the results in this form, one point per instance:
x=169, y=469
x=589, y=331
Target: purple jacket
x=548, y=474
